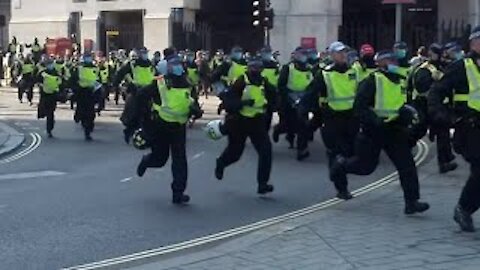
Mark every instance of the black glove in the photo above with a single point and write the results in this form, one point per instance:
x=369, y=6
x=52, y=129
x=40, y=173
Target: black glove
x=196, y=111
x=408, y=115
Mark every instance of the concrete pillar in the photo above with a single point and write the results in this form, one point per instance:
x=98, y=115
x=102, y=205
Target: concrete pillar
x=474, y=16
x=304, y=18
x=89, y=29
x=157, y=33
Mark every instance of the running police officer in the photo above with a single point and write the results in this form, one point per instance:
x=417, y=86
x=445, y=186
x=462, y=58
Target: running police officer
x=384, y=117
x=51, y=82
x=462, y=80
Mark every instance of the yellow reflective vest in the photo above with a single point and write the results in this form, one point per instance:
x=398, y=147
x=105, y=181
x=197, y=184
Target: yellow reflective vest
x=236, y=70
x=176, y=102
x=298, y=81
x=389, y=97
x=88, y=76
x=473, y=77
x=341, y=89
x=142, y=76
x=257, y=94
x=271, y=74
x=51, y=83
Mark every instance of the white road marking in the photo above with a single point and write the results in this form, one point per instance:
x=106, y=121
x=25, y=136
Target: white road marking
x=28, y=175
x=22, y=124
x=36, y=141
x=124, y=180
x=420, y=157
x=196, y=156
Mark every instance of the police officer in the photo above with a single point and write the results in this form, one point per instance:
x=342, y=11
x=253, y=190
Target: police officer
x=365, y=65
x=246, y=105
x=12, y=50
x=421, y=80
x=191, y=68
x=36, y=49
x=157, y=57
x=164, y=123
x=336, y=87
x=452, y=52
x=462, y=79
x=50, y=81
x=85, y=82
x=142, y=73
x=270, y=73
x=293, y=83
x=384, y=117
x=400, y=49
x=230, y=70
x=313, y=60
x=105, y=79
x=27, y=69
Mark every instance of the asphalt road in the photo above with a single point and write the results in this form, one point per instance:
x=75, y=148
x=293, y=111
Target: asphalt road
x=80, y=202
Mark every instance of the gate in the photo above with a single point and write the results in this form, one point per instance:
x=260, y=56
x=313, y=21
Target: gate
x=191, y=36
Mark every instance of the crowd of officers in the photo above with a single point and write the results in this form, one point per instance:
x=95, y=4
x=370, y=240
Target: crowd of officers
x=362, y=102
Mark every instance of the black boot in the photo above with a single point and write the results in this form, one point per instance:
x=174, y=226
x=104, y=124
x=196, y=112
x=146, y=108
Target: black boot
x=219, y=170
x=275, y=134
x=464, y=219
x=88, y=137
x=180, y=198
x=264, y=189
x=142, y=167
x=49, y=133
x=447, y=167
x=416, y=207
x=344, y=195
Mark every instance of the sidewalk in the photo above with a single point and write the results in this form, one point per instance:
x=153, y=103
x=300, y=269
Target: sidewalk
x=368, y=232
x=10, y=139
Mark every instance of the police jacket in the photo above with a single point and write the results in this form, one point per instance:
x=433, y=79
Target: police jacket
x=127, y=69
x=284, y=74
x=223, y=70
x=232, y=99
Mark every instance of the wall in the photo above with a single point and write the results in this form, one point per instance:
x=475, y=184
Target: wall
x=304, y=18
x=4, y=11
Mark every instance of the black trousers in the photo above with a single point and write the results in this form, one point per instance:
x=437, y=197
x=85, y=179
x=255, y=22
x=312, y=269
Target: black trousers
x=239, y=129
x=26, y=87
x=338, y=134
x=295, y=124
x=466, y=143
x=168, y=138
x=442, y=133
x=393, y=139
x=48, y=102
x=85, y=110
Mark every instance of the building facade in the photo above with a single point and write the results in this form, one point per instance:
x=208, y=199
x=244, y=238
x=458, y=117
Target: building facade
x=214, y=24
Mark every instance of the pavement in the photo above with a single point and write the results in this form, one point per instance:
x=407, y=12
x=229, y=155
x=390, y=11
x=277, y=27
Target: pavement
x=368, y=232
x=10, y=139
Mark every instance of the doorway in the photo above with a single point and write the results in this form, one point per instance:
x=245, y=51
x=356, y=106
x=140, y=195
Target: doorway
x=128, y=25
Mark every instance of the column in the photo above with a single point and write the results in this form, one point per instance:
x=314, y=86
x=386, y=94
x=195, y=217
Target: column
x=157, y=34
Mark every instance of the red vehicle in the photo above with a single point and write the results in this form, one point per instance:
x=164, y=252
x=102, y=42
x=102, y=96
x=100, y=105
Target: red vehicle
x=59, y=46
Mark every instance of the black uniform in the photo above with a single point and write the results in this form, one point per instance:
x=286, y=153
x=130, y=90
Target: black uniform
x=85, y=100
x=421, y=82
x=467, y=128
x=239, y=128
x=293, y=117
x=27, y=82
x=164, y=137
x=339, y=127
x=222, y=71
x=48, y=102
x=274, y=101
x=376, y=135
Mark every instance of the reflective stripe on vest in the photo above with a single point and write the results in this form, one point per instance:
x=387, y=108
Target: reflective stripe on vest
x=257, y=94
x=388, y=97
x=298, y=81
x=176, y=102
x=271, y=74
x=87, y=76
x=236, y=70
x=142, y=76
x=473, y=77
x=51, y=83
x=27, y=68
x=341, y=88
x=193, y=76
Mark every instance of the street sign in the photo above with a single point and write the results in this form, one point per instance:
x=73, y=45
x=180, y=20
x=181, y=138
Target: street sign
x=308, y=42
x=399, y=1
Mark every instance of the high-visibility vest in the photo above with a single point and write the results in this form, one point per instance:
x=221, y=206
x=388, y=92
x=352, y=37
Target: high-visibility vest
x=298, y=81
x=142, y=76
x=271, y=74
x=51, y=83
x=104, y=74
x=257, y=94
x=88, y=76
x=12, y=48
x=236, y=70
x=28, y=68
x=176, y=102
x=473, y=77
x=436, y=76
x=362, y=73
x=59, y=68
x=341, y=89
x=193, y=76
x=389, y=97
x=36, y=48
